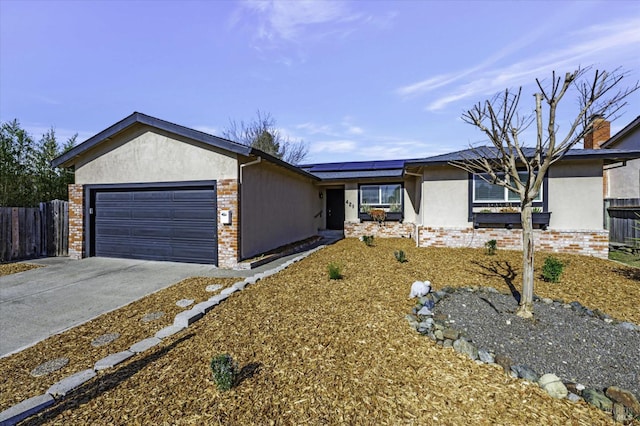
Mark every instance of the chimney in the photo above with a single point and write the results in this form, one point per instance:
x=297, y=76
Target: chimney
x=599, y=133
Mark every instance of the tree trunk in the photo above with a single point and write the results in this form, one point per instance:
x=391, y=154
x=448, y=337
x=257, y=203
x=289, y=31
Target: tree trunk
x=526, y=298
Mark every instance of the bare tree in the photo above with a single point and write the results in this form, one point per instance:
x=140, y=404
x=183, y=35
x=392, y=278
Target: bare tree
x=504, y=161
x=261, y=133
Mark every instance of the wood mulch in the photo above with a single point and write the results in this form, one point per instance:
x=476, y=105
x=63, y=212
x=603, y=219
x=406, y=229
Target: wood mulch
x=318, y=351
x=14, y=268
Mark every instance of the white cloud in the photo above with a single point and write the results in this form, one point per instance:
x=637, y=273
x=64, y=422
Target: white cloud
x=288, y=20
x=333, y=147
x=313, y=128
x=603, y=44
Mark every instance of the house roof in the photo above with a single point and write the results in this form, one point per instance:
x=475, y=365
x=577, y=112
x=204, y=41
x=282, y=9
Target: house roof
x=357, y=169
x=68, y=158
x=610, y=155
x=613, y=140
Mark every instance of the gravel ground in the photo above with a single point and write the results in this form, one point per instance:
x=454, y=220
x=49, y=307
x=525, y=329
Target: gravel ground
x=576, y=347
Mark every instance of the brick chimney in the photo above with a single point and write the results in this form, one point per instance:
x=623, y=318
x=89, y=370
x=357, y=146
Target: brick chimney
x=600, y=132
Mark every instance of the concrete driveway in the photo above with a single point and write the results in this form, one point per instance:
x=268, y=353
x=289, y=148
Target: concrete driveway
x=41, y=302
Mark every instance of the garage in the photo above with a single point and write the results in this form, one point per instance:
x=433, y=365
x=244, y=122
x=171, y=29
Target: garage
x=154, y=222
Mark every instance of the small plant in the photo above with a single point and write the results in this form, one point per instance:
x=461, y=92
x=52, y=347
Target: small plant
x=400, y=256
x=552, y=269
x=378, y=215
x=368, y=240
x=335, y=271
x=224, y=371
x=491, y=246
x=536, y=210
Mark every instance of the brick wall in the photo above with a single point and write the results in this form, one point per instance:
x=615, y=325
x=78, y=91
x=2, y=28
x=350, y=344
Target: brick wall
x=585, y=242
x=228, y=235
x=76, y=216
x=384, y=230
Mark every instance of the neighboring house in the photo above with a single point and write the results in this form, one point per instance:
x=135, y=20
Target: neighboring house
x=147, y=188
x=623, y=180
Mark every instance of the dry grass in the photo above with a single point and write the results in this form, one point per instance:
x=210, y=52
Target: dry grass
x=319, y=351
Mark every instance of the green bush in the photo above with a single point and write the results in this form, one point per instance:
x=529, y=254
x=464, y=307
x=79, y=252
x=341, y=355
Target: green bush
x=552, y=269
x=400, y=256
x=335, y=271
x=368, y=240
x=224, y=371
x=491, y=246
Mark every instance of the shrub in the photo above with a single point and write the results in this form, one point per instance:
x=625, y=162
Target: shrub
x=552, y=269
x=400, y=256
x=491, y=246
x=335, y=271
x=224, y=371
x=378, y=215
x=368, y=240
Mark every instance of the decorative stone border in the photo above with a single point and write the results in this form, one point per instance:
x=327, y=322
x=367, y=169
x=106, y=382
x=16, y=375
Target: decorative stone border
x=622, y=404
x=182, y=320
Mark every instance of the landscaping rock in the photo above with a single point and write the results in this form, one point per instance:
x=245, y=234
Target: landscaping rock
x=229, y=290
x=186, y=318
x=213, y=287
x=425, y=311
x=145, y=344
x=576, y=388
x=26, y=408
x=597, y=399
x=624, y=397
x=240, y=285
x=451, y=333
x=152, y=316
x=526, y=373
x=105, y=339
x=205, y=306
x=112, y=360
x=218, y=298
x=628, y=326
x=573, y=397
x=553, y=386
x=419, y=289
x=67, y=384
x=183, y=303
x=504, y=362
x=467, y=348
x=438, y=334
x=168, y=331
x=485, y=356
x=49, y=367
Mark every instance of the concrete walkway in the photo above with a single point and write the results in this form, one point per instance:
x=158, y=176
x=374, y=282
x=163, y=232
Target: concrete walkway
x=41, y=302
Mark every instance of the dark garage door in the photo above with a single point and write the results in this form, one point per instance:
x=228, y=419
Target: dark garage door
x=169, y=224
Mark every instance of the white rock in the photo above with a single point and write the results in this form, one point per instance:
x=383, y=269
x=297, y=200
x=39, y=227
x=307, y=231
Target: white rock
x=213, y=287
x=425, y=311
x=419, y=289
x=553, y=386
x=183, y=303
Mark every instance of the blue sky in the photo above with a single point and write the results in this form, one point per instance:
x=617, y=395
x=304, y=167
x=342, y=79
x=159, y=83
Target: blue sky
x=357, y=80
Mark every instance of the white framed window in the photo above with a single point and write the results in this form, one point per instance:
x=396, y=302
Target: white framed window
x=386, y=196
x=485, y=192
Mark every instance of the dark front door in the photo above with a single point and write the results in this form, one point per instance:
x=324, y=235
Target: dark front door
x=335, y=208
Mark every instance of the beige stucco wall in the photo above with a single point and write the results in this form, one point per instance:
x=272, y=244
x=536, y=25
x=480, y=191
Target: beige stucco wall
x=445, y=192
x=351, y=202
x=142, y=155
x=278, y=207
x=575, y=195
x=624, y=182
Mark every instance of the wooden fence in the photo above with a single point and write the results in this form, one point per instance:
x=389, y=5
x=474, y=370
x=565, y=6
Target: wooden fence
x=34, y=232
x=622, y=219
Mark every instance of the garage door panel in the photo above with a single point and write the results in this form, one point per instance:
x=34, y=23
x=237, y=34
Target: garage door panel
x=160, y=224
